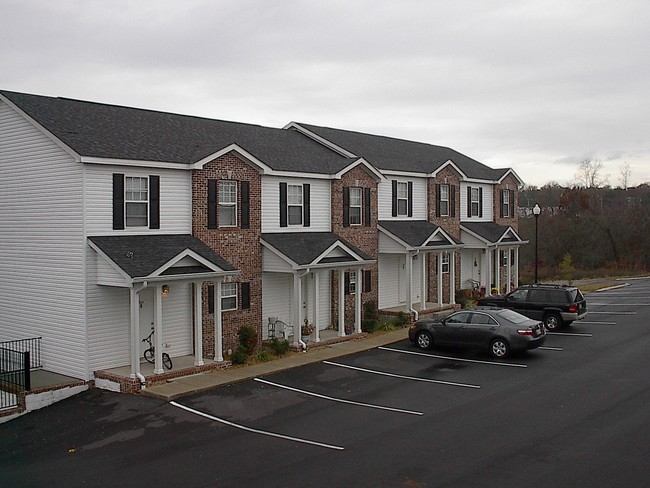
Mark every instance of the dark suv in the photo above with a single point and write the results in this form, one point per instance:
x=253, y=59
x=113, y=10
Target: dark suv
x=556, y=305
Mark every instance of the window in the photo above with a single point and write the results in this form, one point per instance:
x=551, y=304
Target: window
x=294, y=204
x=445, y=262
x=136, y=198
x=475, y=202
x=483, y=319
x=228, y=296
x=459, y=318
x=227, y=203
x=505, y=202
x=518, y=295
x=402, y=198
x=355, y=206
x=353, y=282
x=444, y=200
x=504, y=257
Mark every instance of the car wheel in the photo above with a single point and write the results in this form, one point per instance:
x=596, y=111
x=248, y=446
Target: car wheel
x=499, y=348
x=424, y=340
x=552, y=321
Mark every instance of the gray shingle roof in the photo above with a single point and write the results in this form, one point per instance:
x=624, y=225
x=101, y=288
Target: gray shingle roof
x=413, y=232
x=388, y=153
x=116, y=132
x=304, y=247
x=140, y=255
x=488, y=230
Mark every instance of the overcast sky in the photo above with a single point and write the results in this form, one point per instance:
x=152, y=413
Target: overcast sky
x=535, y=85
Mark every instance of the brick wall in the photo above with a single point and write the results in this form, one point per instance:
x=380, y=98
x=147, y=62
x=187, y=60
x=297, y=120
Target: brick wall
x=240, y=247
x=361, y=236
x=509, y=183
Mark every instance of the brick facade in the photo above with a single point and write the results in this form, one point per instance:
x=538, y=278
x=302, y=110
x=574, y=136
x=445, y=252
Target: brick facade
x=240, y=247
x=509, y=183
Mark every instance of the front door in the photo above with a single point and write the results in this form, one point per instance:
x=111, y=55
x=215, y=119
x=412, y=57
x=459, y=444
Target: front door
x=146, y=317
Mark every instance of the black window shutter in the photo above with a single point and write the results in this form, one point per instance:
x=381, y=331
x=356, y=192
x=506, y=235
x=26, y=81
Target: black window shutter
x=305, y=205
x=118, y=201
x=210, y=298
x=452, y=201
x=438, y=212
x=394, y=198
x=212, y=204
x=245, y=204
x=154, y=202
x=367, y=281
x=283, y=204
x=245, y=295
x=512, y=203
x=503, y=213
x=347, y=282
x=366, y=202
x=469, y=201
x=480, y=202
x=346, y=206
x=410, y=201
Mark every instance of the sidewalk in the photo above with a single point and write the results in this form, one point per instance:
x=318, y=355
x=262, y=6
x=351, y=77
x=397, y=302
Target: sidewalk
x=188, y=385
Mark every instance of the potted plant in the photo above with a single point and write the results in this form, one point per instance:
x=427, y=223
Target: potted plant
x=306, y=329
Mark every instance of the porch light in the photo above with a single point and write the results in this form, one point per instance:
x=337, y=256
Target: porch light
x=165, y=290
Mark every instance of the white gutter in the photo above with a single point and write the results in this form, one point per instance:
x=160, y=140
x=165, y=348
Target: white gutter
x=411, y=309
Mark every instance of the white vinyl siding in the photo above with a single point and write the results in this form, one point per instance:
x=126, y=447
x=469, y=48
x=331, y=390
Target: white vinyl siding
x=276, y=298
x=385, y=199
x=41, y=237
x=320, y=204
x=487, y=202
x=388, y=280
x=175, y=200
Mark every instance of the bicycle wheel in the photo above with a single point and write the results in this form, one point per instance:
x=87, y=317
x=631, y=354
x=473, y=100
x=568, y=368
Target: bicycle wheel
x=149, y=355
x=167, y=361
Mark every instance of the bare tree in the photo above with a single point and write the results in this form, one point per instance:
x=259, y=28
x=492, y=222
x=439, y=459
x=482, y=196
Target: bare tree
x=626, y=173
x=590, y=175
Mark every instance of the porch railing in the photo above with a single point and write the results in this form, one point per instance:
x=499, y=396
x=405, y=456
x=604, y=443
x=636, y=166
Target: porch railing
x=17, y=358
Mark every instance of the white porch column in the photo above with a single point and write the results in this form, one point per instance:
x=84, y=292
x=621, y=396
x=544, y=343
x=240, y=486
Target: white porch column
x=157, y=327
x=452, y=277
x=439, y=258
x=357, y=301
x=409, y=282
x=497, y=267
x=135, y=333
x=517, y=267
x=198, y=324
x=297, y=309
x=423, y=280
x=218, y=323
x=317, y=306
x=488, y=271
x=341, y=303
x=508, y=271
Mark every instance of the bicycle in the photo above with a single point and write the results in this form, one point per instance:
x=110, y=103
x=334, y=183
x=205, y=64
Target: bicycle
x=150, y=356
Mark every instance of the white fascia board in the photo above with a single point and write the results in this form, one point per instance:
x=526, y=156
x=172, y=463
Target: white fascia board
x=262, y=167
x=183, y=254
x=391, y=172
x=479, y=181
x=447, y=163
x=207, y=276
x=361, y=162
x=512, y=172
x=42, y=129
x=319, y=139
x=127, y=279
x=441, y=232
x=509, y=230
x=336, y=244
x=135, y=163
x=359, y=263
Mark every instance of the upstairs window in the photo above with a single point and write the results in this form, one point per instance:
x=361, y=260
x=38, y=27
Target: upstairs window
x=227, y=203
x=475, y=202
x=294, y=204
x=136, y=198
x=505, y=199
x=444, y=200
x=355, y=206
x=402, y=199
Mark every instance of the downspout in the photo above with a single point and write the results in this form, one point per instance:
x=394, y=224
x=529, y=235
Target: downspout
x=411, y=309
x=303, y=344
x=143, y=380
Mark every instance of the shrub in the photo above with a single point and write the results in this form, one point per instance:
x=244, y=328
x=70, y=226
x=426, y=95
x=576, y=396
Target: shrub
x=401, y=319
x=240, y=356
x=370, y=316
x=279, y=347
x=247, y=338
x=263, y=356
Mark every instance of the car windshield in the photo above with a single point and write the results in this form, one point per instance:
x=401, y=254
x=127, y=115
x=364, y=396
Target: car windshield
x=512, y=316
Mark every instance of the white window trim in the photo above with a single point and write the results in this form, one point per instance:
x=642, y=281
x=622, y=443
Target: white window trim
x=127, y=201
x=476, y=201
x=223, y=295
x=445, y=262
x=505, y=199
x=359, y=206
x=226, y=204
x=352, y=282
x=301, y=205
x=446, y=200
x=405, y=186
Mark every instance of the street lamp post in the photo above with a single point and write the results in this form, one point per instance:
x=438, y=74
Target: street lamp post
x=536, y=212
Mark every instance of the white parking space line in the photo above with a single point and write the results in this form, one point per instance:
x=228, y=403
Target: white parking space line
x=574, y=334
x=613, y=312
x=547, y=348
x=619, y=304
x=493, y=363
x=594, y=323
x=339, y=400
x=256, y=431
x=413, y=378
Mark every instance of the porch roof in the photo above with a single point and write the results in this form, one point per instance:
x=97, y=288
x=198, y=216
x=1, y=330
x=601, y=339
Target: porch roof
x=418, y=233
x=315, y=248
x=492, y=233
x=147, y=256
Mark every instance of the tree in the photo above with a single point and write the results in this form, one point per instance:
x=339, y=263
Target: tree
x=626, y=173
x=590, y=175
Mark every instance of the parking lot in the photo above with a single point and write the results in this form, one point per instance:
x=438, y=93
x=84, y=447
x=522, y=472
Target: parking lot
x=574, y=412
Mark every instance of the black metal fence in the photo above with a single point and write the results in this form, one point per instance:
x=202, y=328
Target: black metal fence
x=17, y=358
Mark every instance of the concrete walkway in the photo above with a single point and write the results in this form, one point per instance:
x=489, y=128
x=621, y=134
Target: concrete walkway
x=188, y=385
